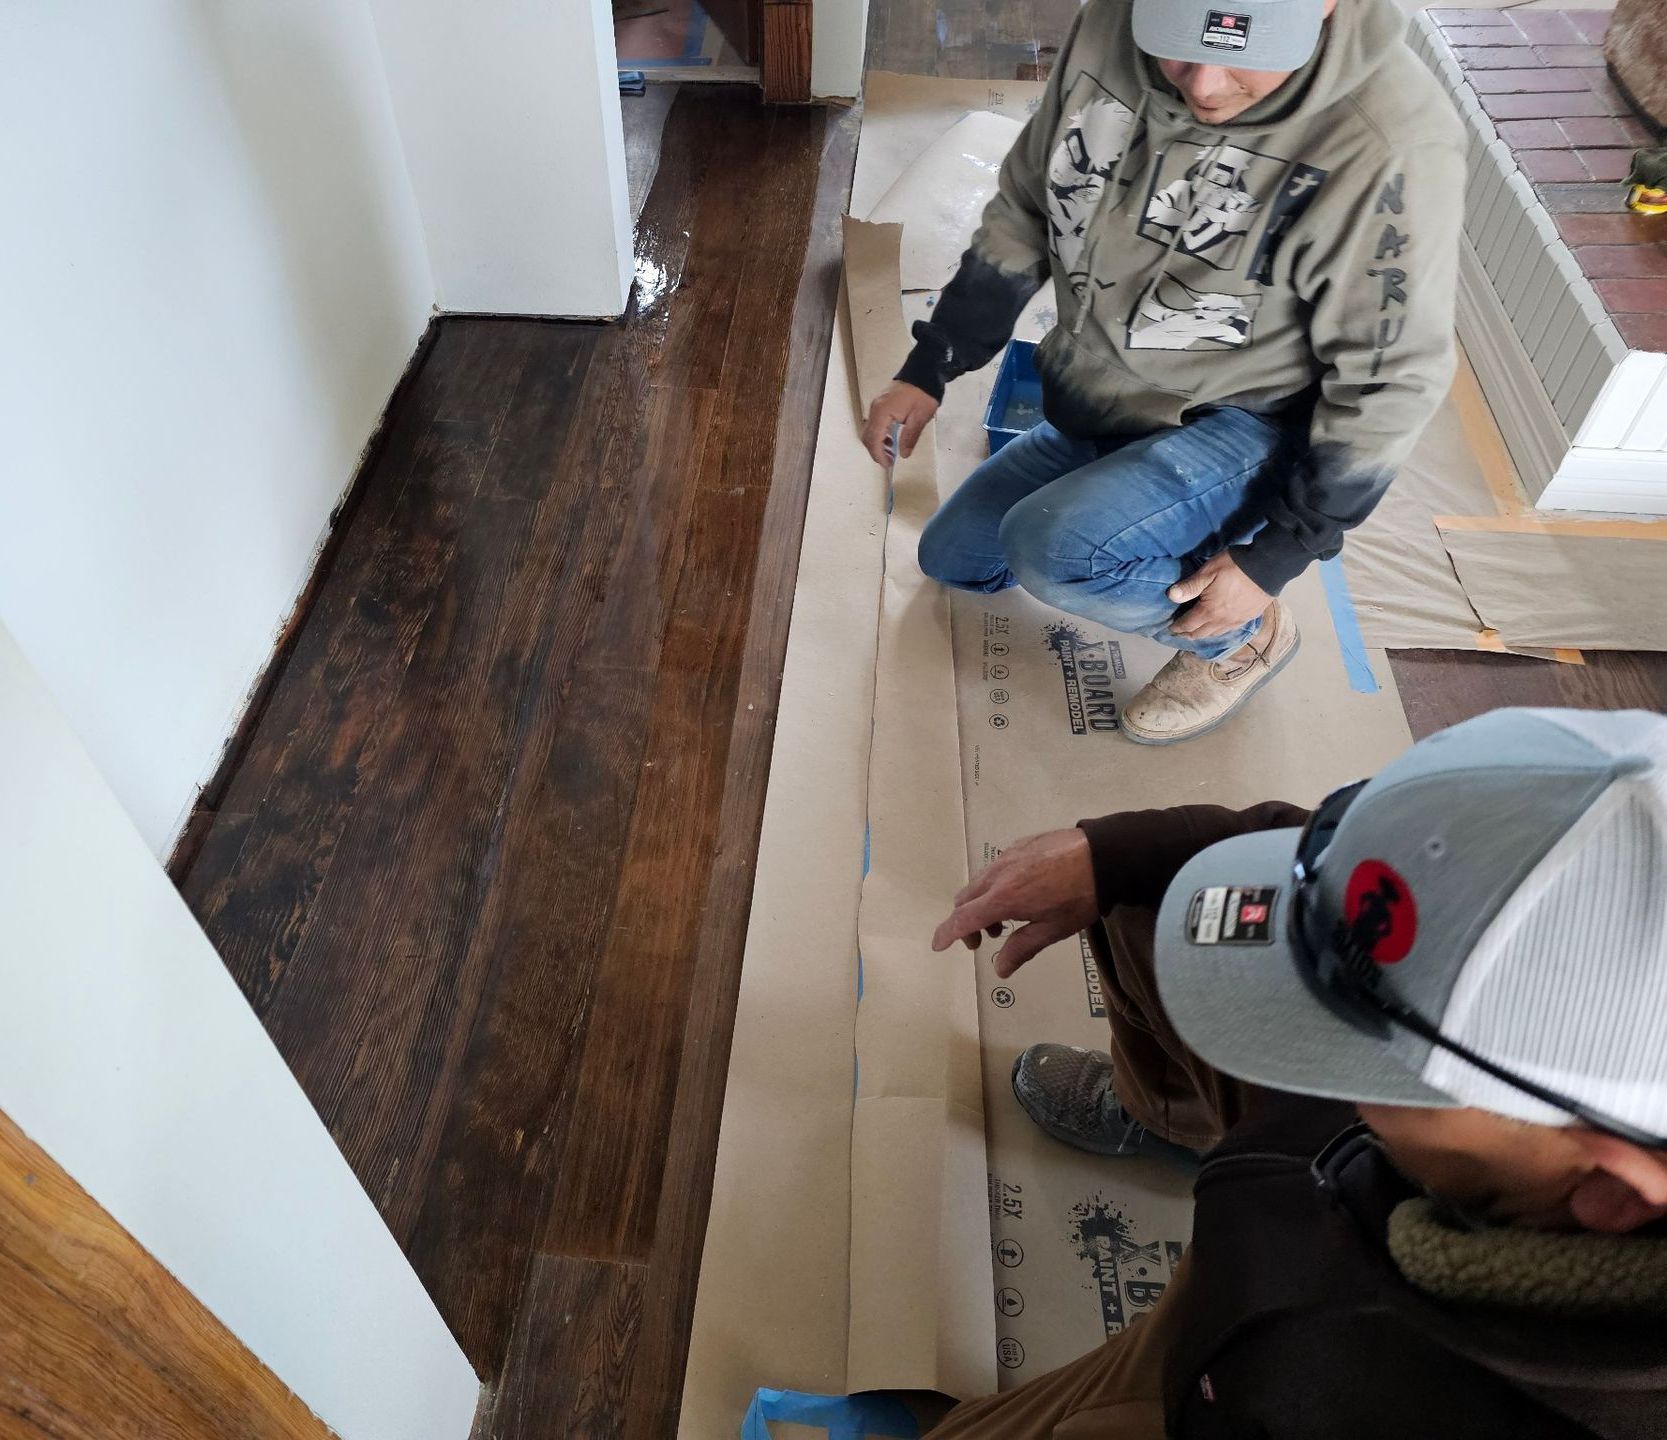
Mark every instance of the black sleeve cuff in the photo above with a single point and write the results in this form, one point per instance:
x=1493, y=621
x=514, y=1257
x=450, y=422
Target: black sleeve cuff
x=1273, y=558
x=924, y=370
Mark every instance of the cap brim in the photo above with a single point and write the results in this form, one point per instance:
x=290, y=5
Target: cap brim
x=1280, y=35
x=1246, y=1008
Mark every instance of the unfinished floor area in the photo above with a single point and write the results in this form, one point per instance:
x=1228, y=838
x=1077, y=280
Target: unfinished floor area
x=483, y=864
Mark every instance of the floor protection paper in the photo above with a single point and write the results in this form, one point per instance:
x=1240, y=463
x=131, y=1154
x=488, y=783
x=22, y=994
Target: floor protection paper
x=938, y=200
x=882, y=1213
x=920, y=1314
x=1602, y=586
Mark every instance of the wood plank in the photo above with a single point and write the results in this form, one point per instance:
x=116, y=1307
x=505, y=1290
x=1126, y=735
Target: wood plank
x=758, y=353
x=566, y=814
x=570, y=1360
x=452, y=399
x=212, y=855
x=417, y=386
x=626, y=1074
x=381, y=965
x=98, y=1340
x=715, y=152
x=347, y=672
x=686, y=1186
x=628, y=1071
x=495, y=1172
x=532, y=436
x=401, y=985
x=326, y=715
x=1442, y=687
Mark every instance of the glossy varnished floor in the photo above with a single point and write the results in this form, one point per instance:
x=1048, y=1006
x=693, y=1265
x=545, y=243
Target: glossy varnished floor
x=483, y=867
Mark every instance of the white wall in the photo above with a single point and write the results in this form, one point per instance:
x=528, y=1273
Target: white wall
x=213, y=274
x=839, y=39
x=129, y=1055
x=509, y=110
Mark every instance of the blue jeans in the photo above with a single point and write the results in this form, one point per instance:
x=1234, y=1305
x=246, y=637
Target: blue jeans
x=1104, y=532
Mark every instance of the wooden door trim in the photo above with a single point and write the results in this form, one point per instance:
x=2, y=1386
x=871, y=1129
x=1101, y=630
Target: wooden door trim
x=785, y=67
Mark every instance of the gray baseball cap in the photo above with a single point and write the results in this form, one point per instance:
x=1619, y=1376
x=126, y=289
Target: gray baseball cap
x=1242, y=34
x=1504, y=880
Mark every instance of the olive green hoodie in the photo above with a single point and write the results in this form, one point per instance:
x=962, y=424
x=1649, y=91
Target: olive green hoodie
x=1298, y=260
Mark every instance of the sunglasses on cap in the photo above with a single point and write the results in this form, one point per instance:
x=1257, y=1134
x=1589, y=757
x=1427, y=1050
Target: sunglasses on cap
x=1342, y=971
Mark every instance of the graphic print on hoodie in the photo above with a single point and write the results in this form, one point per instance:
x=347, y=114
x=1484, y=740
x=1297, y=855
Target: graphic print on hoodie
x=1297, y=261
x=1082, y=165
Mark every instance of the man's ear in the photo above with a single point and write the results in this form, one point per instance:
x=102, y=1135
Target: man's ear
x=1626, y=1187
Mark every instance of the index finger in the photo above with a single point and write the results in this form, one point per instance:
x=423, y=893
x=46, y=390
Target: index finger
x=972, y=918
x=977, y=885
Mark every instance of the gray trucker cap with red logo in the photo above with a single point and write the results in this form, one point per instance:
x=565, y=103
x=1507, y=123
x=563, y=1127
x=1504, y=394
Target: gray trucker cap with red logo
x=1505, y=879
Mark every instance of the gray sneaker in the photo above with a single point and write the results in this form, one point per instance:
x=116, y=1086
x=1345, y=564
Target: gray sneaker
x=1068, y=1092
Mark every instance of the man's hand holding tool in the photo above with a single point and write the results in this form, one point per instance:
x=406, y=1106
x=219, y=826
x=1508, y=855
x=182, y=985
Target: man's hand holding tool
x=901, y=408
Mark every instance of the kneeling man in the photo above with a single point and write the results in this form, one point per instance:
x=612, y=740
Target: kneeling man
x=1250, y=214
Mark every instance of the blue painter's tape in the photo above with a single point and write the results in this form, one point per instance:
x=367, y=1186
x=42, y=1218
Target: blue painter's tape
x=675, y=62
x=1343, y=620
x=844, y=1417
x=694, y=41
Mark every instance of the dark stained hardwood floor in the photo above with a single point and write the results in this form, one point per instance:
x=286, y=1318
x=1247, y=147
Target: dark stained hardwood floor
x=483, y=865
x=484, y=861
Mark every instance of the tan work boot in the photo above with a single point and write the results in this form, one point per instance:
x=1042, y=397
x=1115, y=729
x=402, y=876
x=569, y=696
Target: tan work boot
x=1191, y=696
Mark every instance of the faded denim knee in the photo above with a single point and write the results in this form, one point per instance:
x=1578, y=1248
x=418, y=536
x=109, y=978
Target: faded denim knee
x=950, y=553
x=1050, y=558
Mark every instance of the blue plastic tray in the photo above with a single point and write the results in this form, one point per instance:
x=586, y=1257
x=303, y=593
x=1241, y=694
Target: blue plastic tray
x=1016, y=402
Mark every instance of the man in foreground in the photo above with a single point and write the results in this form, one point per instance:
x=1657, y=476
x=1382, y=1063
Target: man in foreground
x=1427, y=1025
x=1250, y=216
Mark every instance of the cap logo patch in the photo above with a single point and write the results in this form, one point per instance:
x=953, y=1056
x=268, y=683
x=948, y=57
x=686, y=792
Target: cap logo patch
x=1225, y=30
x=1232, y=915
x=1380, y=913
